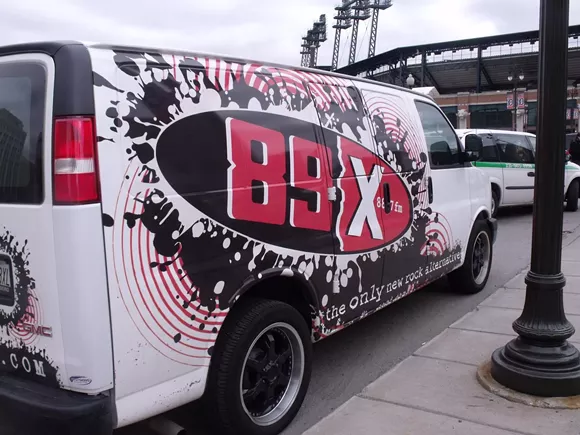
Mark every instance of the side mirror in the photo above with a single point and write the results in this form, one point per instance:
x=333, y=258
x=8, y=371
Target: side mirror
x=441, y=154
x=468, y=156
x=473, y=148
x=472, y=156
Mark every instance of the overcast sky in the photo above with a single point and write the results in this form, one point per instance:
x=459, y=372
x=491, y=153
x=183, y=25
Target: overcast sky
x=268, y=30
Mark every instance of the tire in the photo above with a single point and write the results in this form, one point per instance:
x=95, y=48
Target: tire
x=494, y=203
x=467, y=279
x=241, y=360
x=572, y=196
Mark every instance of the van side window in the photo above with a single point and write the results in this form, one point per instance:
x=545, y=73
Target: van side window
x=514, y=148
x=489, y=152
x=442, y=142
x=22, y=91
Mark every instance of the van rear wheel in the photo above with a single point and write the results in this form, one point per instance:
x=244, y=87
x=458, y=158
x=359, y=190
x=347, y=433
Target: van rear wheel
x=472, y=277
x=572, y=196
x=260, y=369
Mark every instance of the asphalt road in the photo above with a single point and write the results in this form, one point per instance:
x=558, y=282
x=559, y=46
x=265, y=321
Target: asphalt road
x=348, y=361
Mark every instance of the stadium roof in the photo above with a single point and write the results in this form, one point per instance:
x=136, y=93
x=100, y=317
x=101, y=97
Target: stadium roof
x=469, y=65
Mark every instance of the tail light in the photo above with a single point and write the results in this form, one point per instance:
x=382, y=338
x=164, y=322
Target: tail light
x=75, y=161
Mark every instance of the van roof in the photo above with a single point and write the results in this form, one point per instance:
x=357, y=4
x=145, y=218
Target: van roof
x=48, y=47
x=463, y=131
x=52, y=47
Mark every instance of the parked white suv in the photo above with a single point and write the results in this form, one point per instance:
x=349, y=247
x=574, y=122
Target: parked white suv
x=508, y=158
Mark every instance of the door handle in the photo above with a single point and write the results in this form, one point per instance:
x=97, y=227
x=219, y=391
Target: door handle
x=531, y=174
x=430, y=189
x=387, y=197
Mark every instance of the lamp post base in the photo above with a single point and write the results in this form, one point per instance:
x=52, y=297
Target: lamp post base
x=538, y=369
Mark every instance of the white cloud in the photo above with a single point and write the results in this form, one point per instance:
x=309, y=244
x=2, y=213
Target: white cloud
x=268, y=30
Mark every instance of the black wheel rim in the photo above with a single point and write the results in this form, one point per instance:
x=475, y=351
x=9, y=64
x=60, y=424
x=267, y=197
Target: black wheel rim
x=480, y=258
x=272, y=374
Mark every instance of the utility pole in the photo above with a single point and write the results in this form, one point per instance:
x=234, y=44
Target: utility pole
x=376, y=6
x=541, y=361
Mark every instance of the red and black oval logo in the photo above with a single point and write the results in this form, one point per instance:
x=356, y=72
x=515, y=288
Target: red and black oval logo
x=273, y=178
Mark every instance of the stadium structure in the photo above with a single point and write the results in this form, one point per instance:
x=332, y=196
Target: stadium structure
x=489, y=82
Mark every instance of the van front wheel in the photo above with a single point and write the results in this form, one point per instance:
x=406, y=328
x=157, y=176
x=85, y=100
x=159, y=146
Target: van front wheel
x=260, y=369
x=494, y=203
x=472, y=277
x=572, y=196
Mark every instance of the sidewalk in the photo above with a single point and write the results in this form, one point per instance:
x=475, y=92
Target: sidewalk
x=435, y=391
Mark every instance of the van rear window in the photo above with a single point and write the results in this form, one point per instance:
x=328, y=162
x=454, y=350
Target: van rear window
x=22, y=101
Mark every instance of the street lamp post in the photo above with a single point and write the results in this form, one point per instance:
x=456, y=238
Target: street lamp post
x=521, y=78
x=540, y=361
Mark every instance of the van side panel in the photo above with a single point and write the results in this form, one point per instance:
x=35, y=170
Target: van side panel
x=214, y=179
x=449, y=226
x=84, y=301
x=78, y=246
x=432, y=238
x=145, y=309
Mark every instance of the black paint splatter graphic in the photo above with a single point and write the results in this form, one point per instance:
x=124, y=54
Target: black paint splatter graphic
x=28, y=363
x=217, y=260
x=108, y=220
x=99, y=80
x=23, y=281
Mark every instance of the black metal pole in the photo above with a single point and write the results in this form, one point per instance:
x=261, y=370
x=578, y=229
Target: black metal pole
x=423, y=66
x=516, y=78
x=478, y=90
x=541, y=361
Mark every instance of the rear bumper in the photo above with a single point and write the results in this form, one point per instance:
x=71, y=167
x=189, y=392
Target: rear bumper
x=493, y=227
x=27, y=408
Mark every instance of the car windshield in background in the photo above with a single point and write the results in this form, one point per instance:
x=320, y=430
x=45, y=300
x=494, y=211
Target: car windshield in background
x=532, y=140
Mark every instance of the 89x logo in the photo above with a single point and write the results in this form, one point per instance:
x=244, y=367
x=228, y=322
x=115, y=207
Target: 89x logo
x=285, y=181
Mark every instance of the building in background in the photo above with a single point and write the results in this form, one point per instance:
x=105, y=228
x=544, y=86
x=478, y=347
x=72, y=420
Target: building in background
x=12, y=140
x=488, y=82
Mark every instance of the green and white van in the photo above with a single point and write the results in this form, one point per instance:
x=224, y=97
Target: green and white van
x=508, y=158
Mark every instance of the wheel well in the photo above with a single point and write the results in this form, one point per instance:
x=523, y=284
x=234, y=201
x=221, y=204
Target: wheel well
x=571, y=182
x=483, y=215
x=495, y=188
x=288, y=290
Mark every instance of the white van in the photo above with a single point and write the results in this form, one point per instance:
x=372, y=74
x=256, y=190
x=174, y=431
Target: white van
x=508, y=157
x=177, y=226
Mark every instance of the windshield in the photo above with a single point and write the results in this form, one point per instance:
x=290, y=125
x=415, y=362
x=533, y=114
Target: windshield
x=532, y=140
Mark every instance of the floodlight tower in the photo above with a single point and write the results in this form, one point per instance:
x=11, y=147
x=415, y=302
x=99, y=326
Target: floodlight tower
x=319, y=31
x=362, y=12
x=376, y=6
x=306, y=48
x=343, y=19
x=311, y=43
